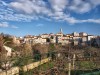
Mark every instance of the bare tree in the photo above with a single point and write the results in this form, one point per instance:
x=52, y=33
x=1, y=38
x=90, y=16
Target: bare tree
x=40, y=50
x=3, y=55
x=27, y=49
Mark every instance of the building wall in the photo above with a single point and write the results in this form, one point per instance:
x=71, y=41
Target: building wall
x=84, y=39
x=83, y=34
x=45, y=35
x=75, y=34
x=89, y=37
x=39, y=40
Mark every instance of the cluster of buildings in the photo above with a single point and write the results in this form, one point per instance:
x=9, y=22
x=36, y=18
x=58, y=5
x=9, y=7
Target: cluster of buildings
x=74, y=38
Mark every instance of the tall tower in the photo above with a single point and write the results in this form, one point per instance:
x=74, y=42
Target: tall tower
x=61, y=30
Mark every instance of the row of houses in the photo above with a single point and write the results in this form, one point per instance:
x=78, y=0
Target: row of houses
x=75, y=38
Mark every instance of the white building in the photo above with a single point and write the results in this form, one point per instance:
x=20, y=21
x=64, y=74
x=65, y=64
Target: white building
x=84, y=39
x=62, y=39
x=16, y=40
x=75, y=34
x=29, y=39
x=89, y=37
x=76, y=38
x=83, y=34
x=45, y=35
x=39, y=40
x=53, y=39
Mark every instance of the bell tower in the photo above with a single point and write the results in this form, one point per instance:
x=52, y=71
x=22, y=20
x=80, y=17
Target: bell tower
x=61, y=30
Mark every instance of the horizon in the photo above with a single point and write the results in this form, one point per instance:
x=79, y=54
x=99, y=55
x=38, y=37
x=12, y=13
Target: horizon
x=34, y=17
x=46, y=33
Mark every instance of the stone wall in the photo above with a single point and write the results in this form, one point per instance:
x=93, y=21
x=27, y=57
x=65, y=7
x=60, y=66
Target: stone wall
x=15, y=70
x=12, y=71
x=35, y=64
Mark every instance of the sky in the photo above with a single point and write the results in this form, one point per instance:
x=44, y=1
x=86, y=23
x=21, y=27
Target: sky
x=34, y=17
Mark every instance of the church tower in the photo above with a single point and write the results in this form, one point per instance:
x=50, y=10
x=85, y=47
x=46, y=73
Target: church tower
x=61, y=30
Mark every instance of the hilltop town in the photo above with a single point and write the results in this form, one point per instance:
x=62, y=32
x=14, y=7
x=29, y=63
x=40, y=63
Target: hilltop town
x=74, y=38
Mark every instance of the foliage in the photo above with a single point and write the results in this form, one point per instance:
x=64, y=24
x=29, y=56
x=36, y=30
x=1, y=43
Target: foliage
x=27, y=49
x=46, y=66
x=3, y=52
x=42, y=48
x=37, y=57
x=21, y=61
x=86, y=65
x=51, y=47
x=24, y=50
x=39, y=50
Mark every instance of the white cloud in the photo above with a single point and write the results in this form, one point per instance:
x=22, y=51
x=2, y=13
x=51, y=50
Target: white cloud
x=25, y=6
x=9, y=15
x=83, y=6
x=95, y=2
x=15, y=27
x=7, y=25
x=4, y=3
x=40, y=25
x=45, y=18
x=39, y=7
x=80, y=6
x=28, y=10
x=30, y=6
x=91, y=21
x=4, y=24
x=58, y=5
x=72, y=20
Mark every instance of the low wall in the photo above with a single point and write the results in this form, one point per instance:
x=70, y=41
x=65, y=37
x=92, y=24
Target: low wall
x=12, y=71
x=15, y=70
x=35, y=64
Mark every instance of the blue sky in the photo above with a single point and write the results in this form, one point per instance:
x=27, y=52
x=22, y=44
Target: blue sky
x=34, y=17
